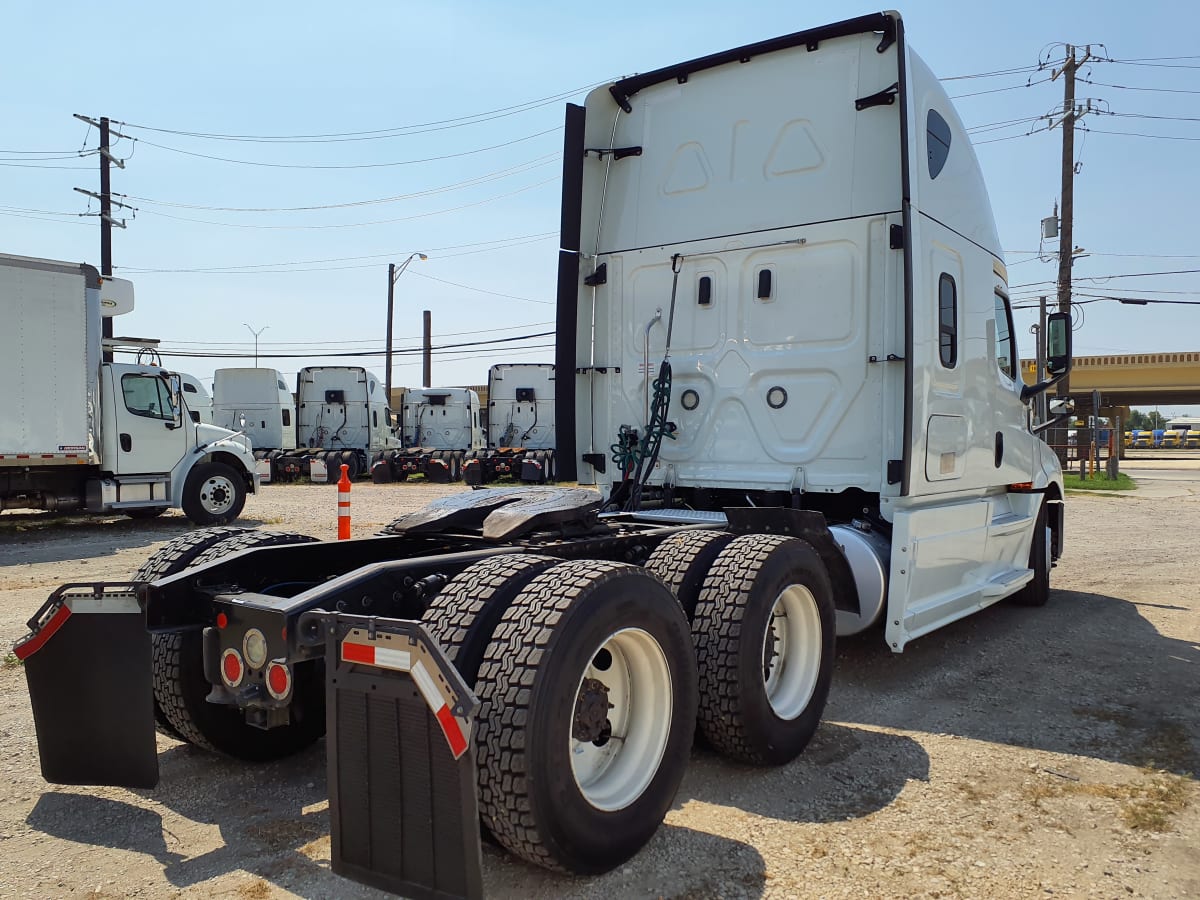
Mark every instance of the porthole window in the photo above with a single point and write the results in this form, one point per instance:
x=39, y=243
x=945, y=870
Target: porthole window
x=947, y=321
x=937, y=142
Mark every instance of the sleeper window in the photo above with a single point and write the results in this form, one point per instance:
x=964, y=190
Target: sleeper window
x=947, y=321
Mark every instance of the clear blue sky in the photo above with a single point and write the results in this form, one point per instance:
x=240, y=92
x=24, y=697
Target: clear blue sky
x=311, y=69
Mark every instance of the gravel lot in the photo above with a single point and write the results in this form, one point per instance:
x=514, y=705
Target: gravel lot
x=1016, y=753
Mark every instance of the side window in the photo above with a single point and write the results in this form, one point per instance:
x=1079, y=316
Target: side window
x=947, y=321
x=282, y=386
x=937, y=142
x=1006, y=346
x=147, y=395
x=189, y=388
x=375, y=418
x=287, y=417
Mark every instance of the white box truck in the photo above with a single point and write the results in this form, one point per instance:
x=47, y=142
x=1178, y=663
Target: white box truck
x=77, y=433
x=786, y=361
x=258, y=402
x=342, y=418
x=520, y=426
x=440, y=430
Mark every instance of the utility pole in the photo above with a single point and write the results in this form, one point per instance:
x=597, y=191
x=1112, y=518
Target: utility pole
x=394, y=272
x=427, y=351
x=106, y=217
x=1066, y=243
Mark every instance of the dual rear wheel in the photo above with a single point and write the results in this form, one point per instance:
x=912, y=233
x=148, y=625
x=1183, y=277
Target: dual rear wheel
x=592, y=677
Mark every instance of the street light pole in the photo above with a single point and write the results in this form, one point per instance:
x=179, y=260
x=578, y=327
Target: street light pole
x=256, y=334
x=394, y=272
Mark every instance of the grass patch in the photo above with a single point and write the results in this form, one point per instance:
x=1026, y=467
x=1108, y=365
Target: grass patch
x=10, y=661
x=1099, y=483
x=1146, y=804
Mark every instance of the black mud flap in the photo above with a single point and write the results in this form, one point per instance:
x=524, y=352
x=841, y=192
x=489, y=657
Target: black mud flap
x=401, y=757
x=87, y=663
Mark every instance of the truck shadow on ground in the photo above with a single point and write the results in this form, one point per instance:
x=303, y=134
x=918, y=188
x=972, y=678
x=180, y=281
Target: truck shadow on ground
x=1085, y=675
x=46, y=538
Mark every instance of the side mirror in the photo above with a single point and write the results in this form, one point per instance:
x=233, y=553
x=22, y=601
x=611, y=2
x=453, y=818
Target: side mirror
x=1058, y=343
x=1062, y=406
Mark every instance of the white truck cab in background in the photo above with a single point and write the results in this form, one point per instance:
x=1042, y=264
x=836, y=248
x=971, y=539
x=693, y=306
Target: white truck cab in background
x=258, y=402
x=77, y=433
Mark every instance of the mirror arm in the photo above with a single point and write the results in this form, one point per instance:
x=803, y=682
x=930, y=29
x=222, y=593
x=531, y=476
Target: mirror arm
x=1050, y=423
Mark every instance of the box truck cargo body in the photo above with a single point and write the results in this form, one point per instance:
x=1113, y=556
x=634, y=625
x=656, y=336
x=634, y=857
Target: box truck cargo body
x=77, y=433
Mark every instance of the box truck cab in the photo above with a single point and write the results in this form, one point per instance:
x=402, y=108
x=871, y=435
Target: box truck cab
x=80, y=433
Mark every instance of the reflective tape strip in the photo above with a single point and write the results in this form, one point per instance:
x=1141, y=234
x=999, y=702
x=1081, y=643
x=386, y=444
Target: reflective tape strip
x=373, y=655
x=426, y=686
x=452, y=730
x=35, y=642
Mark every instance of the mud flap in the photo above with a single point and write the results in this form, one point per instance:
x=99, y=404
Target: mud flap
x=401, y=758
x=87, y=664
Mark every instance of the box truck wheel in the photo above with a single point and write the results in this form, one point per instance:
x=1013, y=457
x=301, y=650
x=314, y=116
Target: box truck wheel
x=682, y=561
x=764, y=630
x=175, y=557
x=464, y=614
x=1037, y=592
x=213, y=494
x=588, y=694
x=180, y=688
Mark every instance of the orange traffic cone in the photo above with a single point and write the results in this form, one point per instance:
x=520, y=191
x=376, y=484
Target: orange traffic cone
x=344, y=504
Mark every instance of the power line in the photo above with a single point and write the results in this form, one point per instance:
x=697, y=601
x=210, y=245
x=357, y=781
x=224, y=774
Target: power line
x=381, y=165
x=356, y=224
x=478, y=290
x=1141, y=134
x=358, y=353
x=536, y=162
x=500, y=244
x=299, y=345
x=381, y=133
x=1128, y=87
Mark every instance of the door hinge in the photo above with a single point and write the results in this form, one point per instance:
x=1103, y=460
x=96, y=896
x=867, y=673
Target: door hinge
x=600, y=276
x=896, y=237
x=895, y=471
x=886, y=97
x=616, y=152
x=891, y=357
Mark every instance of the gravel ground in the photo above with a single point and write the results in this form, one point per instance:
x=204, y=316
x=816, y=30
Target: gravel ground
x=1018, y=753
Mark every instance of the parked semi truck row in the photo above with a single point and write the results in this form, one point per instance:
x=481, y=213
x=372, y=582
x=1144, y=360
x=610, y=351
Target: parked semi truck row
x=79, y=433
x=788, y=387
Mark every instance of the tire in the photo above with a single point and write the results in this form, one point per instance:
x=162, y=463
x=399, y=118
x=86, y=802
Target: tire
x=547, y=793
x=551, y=466
x=1037, y=592
x=749, y=712
x=683, y=560
x=464, y=614
x=175, y=557
x=214, y=494
x=146, y=512
x=180, y=688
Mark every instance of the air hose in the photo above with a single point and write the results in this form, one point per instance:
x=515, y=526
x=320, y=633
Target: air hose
x=636, y=456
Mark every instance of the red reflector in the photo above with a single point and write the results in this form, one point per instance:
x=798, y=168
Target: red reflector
x=450, y=727
x=279, y=680
x=27, y=648
x=359, y=653
x=231, y=667
x=1021, y=486
x=222, y=620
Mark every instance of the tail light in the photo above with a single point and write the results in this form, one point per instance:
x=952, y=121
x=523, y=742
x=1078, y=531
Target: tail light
x=279, y=680
x=232, y=668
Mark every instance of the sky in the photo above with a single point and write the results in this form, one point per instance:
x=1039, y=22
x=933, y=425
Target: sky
x=358, y=134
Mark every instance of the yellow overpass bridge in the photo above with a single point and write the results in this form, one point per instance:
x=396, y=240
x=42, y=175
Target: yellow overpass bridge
x=1134, y=379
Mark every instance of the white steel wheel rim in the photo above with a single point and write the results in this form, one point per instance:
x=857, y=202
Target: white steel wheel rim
x=612, y=775
x=217, y=494
x=792, y=651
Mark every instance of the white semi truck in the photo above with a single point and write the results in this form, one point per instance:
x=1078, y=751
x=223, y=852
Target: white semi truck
x=785, y=362
x=342, y=417
x=77, y=433
x=520, y=426
x=258, y=402
x=440, y=430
